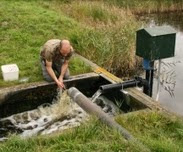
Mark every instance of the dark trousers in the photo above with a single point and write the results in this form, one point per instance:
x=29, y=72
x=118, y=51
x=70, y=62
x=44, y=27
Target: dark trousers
x=56, y=68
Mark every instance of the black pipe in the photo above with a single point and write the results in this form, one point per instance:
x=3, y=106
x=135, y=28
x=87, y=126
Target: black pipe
x=118, y=86
x=138, y=81
x=127, y=84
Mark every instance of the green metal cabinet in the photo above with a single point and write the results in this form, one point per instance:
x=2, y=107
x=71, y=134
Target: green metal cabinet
x=155, y=43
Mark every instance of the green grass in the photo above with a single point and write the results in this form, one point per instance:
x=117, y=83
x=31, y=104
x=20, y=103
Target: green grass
x=155, y=130
x=25, y=27
x=108, y=38
x=106, y=35
x=76, y=66
x=93, y=136
x=100, y=32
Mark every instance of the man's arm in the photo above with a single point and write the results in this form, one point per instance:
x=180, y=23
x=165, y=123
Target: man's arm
x=63, y=70
x=52, y=74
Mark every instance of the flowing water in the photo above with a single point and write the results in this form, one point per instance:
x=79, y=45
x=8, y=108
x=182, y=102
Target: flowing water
x=105, y=104
x=171, y=76
x=96, y=95
x=48, y=118
x=64, y=113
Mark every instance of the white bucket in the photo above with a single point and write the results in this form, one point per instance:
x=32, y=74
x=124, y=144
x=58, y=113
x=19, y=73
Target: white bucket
x=10, y=72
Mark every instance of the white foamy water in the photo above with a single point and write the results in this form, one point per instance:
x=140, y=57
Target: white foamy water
x=46, y=119
x=107, y=106
x=96, y=95
x=49, y=118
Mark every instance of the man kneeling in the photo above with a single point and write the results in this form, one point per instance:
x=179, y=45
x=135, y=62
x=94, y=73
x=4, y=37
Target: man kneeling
x=54, y=57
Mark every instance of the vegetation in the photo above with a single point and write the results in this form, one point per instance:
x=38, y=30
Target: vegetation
x=105, y=36
x=108, y=38
x=148, y=6
x=155, y=130
x=24, y=28
x=102, y=31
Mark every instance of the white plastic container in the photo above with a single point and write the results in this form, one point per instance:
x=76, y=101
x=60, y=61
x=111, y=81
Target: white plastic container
x=10, y=72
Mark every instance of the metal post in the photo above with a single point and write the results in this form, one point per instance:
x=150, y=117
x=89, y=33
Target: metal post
x=151, y=83
x=149, y=66
x=151, y=79
x=146, y=88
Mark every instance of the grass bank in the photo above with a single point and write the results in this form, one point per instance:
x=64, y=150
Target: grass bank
x=155, y=130
x=158, y=131
x=108, y=36
x=102, y=31
x=102, y=34
x=24, y=28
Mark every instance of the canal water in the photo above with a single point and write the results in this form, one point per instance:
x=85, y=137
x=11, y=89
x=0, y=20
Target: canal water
x=171, y=76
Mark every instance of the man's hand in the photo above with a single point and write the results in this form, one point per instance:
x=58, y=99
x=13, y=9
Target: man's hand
x=60, y=83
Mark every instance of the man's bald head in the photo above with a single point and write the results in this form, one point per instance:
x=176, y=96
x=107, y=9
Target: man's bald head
x=65, y=47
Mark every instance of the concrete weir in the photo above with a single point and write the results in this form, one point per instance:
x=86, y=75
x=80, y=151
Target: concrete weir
x=17, y=100
x=29, y=96
x=25, y=97
x=132, y=94
x=31, y=109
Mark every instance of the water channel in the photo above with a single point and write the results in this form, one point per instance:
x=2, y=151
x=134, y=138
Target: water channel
x=171, y=93
x=48, y=118
x=171, y=78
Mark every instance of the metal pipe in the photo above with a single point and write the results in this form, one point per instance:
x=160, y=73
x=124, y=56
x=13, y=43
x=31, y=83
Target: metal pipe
x=149, y=78
x=138, y=81
x=146, y=89
x=119, y=86
x=151, y=83
x=92, y=108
